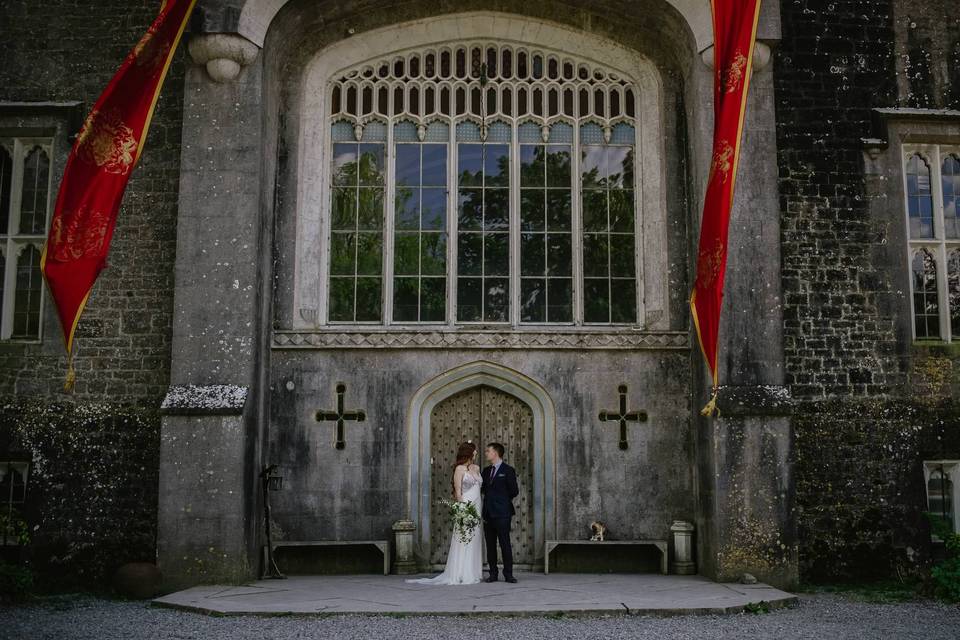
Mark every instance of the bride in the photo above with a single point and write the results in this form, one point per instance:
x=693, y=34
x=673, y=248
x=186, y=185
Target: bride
x=465, y=559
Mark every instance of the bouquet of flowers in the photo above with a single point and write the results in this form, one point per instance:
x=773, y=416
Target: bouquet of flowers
x=465, y=519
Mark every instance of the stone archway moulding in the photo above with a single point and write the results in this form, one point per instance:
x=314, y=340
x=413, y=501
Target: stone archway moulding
x=544, y=437
x=256, y=16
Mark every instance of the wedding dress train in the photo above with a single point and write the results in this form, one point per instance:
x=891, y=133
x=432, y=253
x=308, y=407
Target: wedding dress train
x=465, y=561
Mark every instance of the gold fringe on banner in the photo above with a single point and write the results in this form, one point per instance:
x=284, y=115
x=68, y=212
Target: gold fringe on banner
x=71, y=378
x=710, y=409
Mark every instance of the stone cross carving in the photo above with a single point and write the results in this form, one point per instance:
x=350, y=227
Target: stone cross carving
x=623, y=416
x=340, y=415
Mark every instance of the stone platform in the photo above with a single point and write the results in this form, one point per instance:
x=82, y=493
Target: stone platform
x=536, y=593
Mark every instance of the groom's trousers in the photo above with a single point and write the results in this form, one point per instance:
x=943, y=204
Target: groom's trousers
x=497, y=530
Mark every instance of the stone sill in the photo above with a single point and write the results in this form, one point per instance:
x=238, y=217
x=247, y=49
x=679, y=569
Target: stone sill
x=210, y=399
x=476, y=338
x=754, y=400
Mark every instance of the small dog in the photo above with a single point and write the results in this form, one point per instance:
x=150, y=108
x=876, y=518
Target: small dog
x=599, y=531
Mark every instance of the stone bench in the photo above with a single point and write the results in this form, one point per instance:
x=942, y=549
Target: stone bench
x=381, y=545
x=661, y=545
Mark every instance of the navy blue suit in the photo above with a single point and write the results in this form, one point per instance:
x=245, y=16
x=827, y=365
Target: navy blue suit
x=498, y=494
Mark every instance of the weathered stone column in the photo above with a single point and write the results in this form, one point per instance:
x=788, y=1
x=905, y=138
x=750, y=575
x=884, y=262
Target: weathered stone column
x=745, y=480
x=404, y=562
x=683, y=562
x=207, y=512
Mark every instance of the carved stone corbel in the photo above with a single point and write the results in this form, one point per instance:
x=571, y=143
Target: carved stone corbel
x=223, y=54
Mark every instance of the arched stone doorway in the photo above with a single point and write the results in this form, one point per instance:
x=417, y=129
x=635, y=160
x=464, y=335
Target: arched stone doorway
x=482, y=414
x=483, y=400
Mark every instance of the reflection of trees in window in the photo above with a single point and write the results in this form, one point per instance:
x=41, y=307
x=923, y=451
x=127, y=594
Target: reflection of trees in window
x=26, y=311
x=483, y=233
x=488, y=105
x=546, y=285
x=926, y=307
x=609, y=254
x=953, y=290
x=33, y=205
x=950, y=179
x=420, y=241
x=919, y=197
x=356, y=239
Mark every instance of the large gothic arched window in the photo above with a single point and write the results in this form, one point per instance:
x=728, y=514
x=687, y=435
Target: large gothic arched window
x=482, y=183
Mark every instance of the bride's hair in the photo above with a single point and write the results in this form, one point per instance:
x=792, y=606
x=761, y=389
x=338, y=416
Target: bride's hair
x=465, y=453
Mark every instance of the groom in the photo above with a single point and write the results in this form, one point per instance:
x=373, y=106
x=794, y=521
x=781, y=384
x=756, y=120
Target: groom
x=499, y=489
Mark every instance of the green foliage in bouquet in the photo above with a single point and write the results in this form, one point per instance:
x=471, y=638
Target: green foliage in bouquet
x=465, y=519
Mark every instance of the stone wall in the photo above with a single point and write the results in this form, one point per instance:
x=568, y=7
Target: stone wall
x=68, y=51
x=871, y=405
x=927, y=36
x=93, y=486
x=92, y=489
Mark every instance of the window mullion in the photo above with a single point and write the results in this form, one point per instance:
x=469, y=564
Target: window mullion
x=452, y=222
x=389, y=195
x=638, y=231
x=940, y=233
x=514, y=226
x=13, y=227
x=904, y=162
x=936, y=190
x=325, y=225
x=943, y=291
x=46, y=229
x=576, y=227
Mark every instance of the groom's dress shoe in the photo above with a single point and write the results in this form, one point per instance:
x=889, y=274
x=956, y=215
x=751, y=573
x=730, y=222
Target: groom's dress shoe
x=511, y=580
x=492, y=579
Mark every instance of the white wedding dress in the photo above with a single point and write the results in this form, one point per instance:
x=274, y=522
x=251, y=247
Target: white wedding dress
x=465, y=561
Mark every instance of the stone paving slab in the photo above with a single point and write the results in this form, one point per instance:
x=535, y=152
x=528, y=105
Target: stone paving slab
x=536, y=593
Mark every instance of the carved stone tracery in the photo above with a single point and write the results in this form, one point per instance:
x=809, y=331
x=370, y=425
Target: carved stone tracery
x=478, y=339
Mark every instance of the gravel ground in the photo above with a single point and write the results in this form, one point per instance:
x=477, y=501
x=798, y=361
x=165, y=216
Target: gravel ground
x=823, y=617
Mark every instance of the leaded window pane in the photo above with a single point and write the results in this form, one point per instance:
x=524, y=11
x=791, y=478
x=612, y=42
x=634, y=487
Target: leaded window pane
x=545, y=222
x=609, y=232
x=919, y=198
x=953, y=290
x=33, y=204
x=950, y=181
x=26, y=309
x=483, y=242
x=926, y=306
x=356, y=236
x=420, y=240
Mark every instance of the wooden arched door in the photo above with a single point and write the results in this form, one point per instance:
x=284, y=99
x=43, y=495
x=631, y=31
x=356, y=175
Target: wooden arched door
x=481, y=414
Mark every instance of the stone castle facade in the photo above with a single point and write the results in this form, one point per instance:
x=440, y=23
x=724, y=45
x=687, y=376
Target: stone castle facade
x=221, y=300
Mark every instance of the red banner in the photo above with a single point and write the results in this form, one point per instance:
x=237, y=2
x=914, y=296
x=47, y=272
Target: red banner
x=99, y=166
x=734, y=36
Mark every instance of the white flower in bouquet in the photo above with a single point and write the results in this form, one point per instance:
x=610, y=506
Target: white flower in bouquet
x=465, y=519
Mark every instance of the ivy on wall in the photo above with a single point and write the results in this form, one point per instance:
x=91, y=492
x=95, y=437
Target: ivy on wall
x=92, y=488
x=860, y=489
